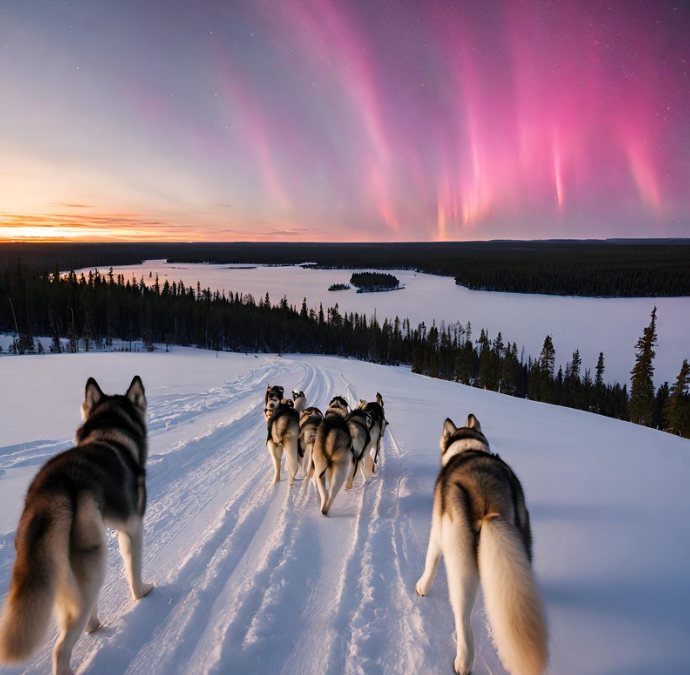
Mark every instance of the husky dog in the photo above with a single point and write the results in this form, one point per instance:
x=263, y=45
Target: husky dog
x=274, y=395
x=378, y=428
x=359, y=424
x=300, y=400
x=283, y=434
x=338, y=406
x=481, y=526
x=309, y=421
x=333, y=456
x=61, y=538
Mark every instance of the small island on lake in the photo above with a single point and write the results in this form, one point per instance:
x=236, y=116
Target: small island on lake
x=374, y=282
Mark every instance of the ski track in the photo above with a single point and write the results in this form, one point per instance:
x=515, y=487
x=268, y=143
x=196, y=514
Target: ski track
x=254, y=589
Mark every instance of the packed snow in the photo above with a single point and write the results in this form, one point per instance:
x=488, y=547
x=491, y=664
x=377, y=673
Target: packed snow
x=251, y=578
x=592, y=325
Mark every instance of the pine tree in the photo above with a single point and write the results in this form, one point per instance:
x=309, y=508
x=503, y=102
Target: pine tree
x=641, y=403
x=547, y=360
x=676, y=411
x=599, y=379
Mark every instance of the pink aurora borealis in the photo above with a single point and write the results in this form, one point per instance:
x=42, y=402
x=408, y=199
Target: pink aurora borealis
x=327, y=120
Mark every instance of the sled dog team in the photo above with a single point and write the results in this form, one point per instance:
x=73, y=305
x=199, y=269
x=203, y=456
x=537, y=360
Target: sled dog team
x=480, y=524
x=329, y=447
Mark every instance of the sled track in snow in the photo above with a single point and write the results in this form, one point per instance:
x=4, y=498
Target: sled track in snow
x=261, y=580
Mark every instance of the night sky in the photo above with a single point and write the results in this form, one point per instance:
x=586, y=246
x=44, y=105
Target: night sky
x=366, y=120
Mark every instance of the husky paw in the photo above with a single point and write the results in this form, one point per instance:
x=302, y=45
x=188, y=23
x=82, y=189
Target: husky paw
x=145, y=590
x=460, y=666
x=91, y=629
x=420, y=589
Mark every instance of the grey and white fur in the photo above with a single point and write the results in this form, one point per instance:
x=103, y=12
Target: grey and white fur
x=480, y=525
x=274, y=395
x=309, y=421
x=61, y=537
x=283, y=434
x=300, y=400
x=332, y=456
x=359, y=423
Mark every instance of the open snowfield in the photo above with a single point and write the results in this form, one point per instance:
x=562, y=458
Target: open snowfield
x=251, y=578
x=592, y=325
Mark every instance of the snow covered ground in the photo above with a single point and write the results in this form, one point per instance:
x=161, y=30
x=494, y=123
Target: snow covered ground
x=592, y=325
x=251, y=578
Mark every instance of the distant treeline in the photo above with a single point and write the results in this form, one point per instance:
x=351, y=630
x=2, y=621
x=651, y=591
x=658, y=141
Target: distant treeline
x=614, y=268
x=95, y=310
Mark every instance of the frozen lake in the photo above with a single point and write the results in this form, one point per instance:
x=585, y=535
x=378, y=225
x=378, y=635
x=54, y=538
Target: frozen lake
x=609, y=325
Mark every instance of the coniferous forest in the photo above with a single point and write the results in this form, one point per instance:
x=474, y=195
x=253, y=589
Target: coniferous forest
x=611, y=268
x=97, y=310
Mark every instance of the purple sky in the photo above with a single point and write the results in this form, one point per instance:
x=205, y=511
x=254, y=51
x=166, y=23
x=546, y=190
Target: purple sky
x=339, y=121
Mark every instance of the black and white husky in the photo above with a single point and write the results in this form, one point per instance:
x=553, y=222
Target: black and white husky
x=274, y=395
x=378, y=424
x=61, y=538
x=309, y=421
x=481, y=526
x=283, y=434
x=336, y=447
x=360, y=423
x=300, y=400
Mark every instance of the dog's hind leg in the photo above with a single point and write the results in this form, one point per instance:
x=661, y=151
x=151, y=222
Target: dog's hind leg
x=367, y=464
x=351, y=476
x=458, y=543
x=322, y=487
x=290, y=443
x=72, y=616
x=77, y=595
x=337, y=474
x=307, y=466
x=131, y=545
x=277, y=457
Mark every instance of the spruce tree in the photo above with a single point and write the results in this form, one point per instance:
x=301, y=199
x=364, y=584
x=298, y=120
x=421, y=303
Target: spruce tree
x=641, y=403
x=547, y=360
x=599, y=378
x=676, y=410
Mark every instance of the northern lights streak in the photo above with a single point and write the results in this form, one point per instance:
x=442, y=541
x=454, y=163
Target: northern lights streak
x=360, y=120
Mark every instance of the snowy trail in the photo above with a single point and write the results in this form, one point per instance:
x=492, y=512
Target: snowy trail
x=251, y=578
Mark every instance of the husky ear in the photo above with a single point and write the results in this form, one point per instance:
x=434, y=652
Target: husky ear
x=92, y=397
x=473, y=423
x=448, y=430
x=136, y=393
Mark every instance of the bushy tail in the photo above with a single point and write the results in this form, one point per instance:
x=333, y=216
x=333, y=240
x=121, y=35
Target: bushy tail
x=42, y=557
x=511, y=599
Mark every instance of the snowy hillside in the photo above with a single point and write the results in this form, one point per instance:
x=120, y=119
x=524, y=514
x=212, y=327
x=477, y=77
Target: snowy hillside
x=251, y=578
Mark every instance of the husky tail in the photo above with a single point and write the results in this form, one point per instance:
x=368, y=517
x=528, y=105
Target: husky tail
x=511, y=599
x=43, y=539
